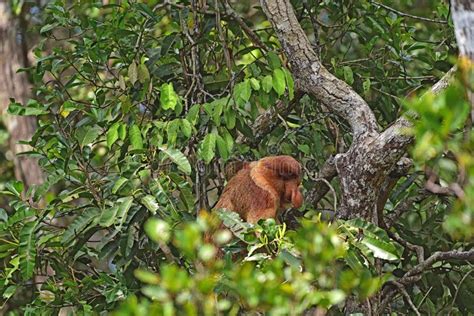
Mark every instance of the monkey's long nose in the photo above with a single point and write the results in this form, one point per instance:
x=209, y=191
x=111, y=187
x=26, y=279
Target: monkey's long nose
x=296, y=198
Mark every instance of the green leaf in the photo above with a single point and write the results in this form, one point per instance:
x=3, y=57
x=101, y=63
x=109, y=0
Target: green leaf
x=178, y=158
x=354, y=260
x=366, y=85
x=146, y=276
x=116, y=214
x=233, y=221
x=158, y=230
x=255, y=84
x=120, y=182
x=135, y=137
x=3, y=215
x=273, y=60
x=348, y=75
x=381, y=249
x=193, y=114
x=242, y=91
x=133, y=72
x=229, y=140
x=168, y=98
x=122, y=82
x=33, y=107
x=108, y=216
x=229, y=118
x=149, y=201
x=125, y=103
x=186, y=128
x=27, y=250
x=207, y=148
x=86, y=135
x=125, y=204
x=122, y=131
x=9, y=291
x=304, y=148
x=79, y=224
x=172, y=131
x=112, y=134
x=222, y=147
x=15, y=187
x=278, y=81
x=267, y=83
x=290, y=83
x=48, y=27
x=369, y=228
x=290, y=259
x=218, y=106
x=143, y=73
x=186, y=194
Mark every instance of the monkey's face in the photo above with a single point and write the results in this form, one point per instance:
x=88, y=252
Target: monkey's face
x=286, y=172
x=292, y=194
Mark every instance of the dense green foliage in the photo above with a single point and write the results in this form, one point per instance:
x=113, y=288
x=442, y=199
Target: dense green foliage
x=140, y=104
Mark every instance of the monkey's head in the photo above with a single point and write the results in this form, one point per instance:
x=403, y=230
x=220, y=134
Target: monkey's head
x=286, y=172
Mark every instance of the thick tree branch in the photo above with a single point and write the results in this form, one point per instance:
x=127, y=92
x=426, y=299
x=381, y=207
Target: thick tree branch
x=372, y=156
x=463, y=19
x=313, y=78
x=414, y=274
x=394, y=136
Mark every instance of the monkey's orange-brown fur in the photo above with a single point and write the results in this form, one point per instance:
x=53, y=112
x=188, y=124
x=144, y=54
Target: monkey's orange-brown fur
x=260, y=189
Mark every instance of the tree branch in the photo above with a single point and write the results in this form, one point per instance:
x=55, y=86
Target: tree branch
x=266, y=122
x=414, y=275
x=400, y=13
x=328, y=172
x=312, y=76
x=394, y=137
x=254, y=38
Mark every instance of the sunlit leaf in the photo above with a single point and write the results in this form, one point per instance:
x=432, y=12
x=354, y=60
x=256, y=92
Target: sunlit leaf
x=178, y=158
x=278, y=81
x=168, y=97
x=135, y=136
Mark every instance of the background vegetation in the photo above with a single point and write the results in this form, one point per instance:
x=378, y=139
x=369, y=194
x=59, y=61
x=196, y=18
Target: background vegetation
x=140, y=105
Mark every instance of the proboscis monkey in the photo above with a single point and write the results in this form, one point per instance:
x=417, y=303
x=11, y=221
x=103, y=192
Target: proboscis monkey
x=261, y=188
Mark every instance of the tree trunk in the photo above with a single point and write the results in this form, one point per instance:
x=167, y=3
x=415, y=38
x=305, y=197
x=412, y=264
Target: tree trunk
x=14, y=55
x=463, y=19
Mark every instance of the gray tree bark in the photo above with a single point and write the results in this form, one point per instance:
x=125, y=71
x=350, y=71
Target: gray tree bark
x=14, y=55
x=365, y=169
x=373, y=155
x=463, y=18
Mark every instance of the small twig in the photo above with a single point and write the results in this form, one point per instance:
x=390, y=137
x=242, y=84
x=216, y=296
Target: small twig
x=424, y=297
x=414, y=275
x=222, y=38
x=408, y=15
x=402, y=290
x=420, y=252
x=332, y=191
x=254, y=38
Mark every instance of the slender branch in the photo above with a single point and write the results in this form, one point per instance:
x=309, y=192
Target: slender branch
x=266, y=122
x=437, y=256
x=253, y=37
x=408, y=15
x=414, y=275
x=328, y=172
x=402, y=290
x=394, y=137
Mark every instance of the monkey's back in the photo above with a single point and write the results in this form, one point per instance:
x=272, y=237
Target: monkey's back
x=244, y=197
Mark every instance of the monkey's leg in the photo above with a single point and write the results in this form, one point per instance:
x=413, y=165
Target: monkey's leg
x=255, y=216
